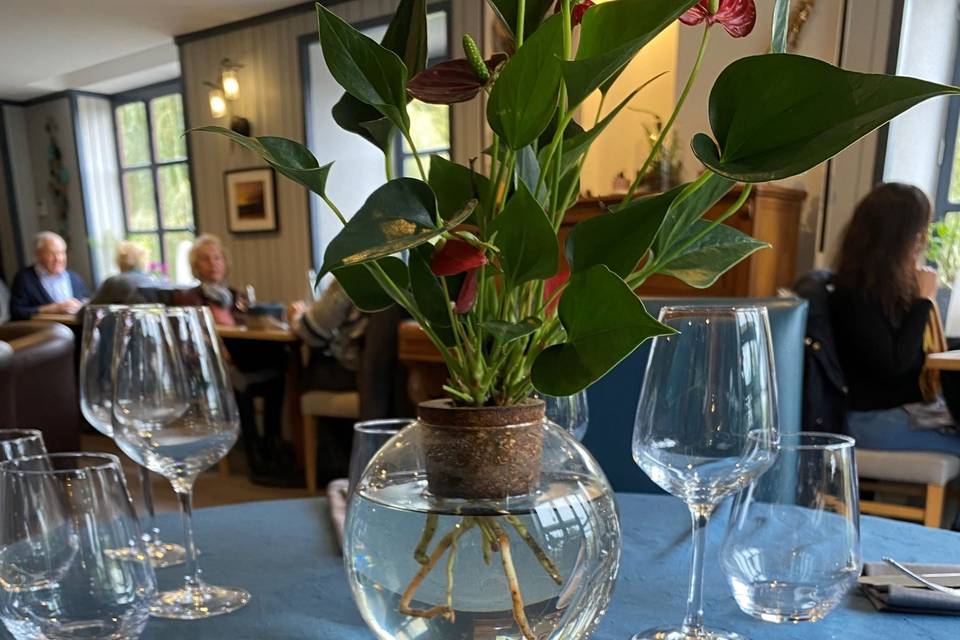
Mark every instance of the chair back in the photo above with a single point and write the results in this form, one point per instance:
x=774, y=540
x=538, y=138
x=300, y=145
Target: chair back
x=613, y=399
x=43, y=389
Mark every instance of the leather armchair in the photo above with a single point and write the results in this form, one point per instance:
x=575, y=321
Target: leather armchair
x=613, y=399
x=38, y=386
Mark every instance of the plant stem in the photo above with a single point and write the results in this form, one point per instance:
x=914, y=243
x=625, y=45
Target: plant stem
x=673, y=116
x=521, y=18
x=416, y=155
x=334, y=208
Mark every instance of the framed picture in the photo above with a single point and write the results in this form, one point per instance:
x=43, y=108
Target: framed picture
x=251, y=200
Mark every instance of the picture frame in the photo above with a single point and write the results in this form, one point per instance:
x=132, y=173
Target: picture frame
x=251, y=198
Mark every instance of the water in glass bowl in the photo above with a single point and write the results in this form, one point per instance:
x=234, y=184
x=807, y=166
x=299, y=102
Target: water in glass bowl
x=560, y=540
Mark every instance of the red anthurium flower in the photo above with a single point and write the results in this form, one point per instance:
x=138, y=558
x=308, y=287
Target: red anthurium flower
x=577, y=11
x=736, y=16
x=451, y=81
x=456, y=256
x=468, y=293
x=552, y=284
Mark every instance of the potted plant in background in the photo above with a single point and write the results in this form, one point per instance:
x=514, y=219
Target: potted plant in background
x=482, y=519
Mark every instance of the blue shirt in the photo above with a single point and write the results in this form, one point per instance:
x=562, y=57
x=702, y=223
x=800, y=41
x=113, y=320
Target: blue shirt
x=57, y=286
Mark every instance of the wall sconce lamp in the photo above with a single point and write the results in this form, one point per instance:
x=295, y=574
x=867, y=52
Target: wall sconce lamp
x=227, y=89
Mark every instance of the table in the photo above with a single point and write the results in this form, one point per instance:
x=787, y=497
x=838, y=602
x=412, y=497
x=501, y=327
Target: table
x=224, y=331
x=285, y=553
x=946, y=361
x=68, y=319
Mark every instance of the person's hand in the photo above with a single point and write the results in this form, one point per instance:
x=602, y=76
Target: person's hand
x=71, y=306
x=295, y=311
x=928, y=281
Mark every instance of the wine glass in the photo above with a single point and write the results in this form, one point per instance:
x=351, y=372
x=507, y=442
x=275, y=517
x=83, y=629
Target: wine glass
x=792, y=548
x=706, y=424
x=96, y=400
x=65, y=517
x=182, y=367
x=21, y=443
x=570, y=412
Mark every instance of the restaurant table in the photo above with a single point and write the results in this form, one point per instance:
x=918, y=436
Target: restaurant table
x=286, y=554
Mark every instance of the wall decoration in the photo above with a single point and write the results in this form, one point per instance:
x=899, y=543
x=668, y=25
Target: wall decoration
x=57, y=180
x=251, y=200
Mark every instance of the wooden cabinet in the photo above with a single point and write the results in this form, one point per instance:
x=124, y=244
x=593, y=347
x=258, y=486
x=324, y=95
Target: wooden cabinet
x=771, y=214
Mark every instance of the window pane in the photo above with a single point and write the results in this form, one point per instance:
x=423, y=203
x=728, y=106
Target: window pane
x=176, y=205
x=175, y=245
x=410, y=169
x=150, y=242
x=166, y=118
x=429, y=126
x=139, y=201
x=132, y=134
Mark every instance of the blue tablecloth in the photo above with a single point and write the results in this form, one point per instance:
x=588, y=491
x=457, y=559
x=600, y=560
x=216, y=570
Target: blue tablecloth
x=285, y=553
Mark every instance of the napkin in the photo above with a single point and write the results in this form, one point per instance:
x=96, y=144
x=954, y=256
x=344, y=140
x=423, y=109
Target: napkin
x=337, y=501
x=901, y=599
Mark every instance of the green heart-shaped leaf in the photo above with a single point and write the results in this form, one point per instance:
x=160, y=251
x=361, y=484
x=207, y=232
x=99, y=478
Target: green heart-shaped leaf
x=526, y=239
x=604, y=321
x=399, y=215
x=428, y=293
x=524, y=97
x=509, y=331
x=528, y=172
x=691, y=202
x=289, y=158
x=610, y=36
x=507, y=11
x=364, y=290
x=454, y=184
x=369, y=72
x=700, y=264
x=777, y=115
x=406, y=36
x=618, y=239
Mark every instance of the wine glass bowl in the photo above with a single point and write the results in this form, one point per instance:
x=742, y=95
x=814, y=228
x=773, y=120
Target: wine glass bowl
x=706, y=423
x=21, y=443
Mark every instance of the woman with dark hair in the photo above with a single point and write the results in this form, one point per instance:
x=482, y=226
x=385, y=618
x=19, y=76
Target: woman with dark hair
x=880, y=308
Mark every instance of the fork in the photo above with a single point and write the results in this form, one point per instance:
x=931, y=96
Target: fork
x=930, y=585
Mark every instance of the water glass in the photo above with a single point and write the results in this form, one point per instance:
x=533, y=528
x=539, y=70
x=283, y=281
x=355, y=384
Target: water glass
x=21, y=443
x=706, y=424
x=570, y=412
x=96, y=400
x=73, y=564
x=792, y=547
x=368, y=437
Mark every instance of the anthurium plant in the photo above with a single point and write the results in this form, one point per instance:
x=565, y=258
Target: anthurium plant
x=472, y=252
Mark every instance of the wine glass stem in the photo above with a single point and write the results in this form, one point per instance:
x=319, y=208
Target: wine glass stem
x=693, y=622
x=146, y=490
x=192, y=579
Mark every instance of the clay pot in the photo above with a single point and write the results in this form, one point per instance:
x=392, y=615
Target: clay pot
x=482, y=453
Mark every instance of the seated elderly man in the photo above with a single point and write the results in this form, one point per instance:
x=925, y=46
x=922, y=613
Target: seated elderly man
x=47, y=286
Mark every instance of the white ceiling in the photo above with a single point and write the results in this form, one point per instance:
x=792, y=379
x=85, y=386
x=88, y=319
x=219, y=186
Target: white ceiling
x=103, y=45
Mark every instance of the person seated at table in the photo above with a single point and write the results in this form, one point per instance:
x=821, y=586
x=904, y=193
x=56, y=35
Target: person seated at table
x=332, y=327
x=258, y=368
x=123, y=288
x=880, y=308
x=47, y=286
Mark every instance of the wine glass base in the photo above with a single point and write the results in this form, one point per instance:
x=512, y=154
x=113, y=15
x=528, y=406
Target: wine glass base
x=672, y=633
x=166, y=554
x=195, y=603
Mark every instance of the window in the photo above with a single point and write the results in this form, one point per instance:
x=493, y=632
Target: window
x=358, y=166
x=154, y=176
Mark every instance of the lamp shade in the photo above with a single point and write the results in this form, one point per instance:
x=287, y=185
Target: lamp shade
x=230, y=81
x=218, y=105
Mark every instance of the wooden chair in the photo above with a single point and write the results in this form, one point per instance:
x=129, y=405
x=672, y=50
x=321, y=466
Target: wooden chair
x=323, y=404
x=918, y=474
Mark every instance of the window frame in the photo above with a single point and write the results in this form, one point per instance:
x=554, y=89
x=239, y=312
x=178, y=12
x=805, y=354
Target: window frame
x=948, y=149
x=145, y=95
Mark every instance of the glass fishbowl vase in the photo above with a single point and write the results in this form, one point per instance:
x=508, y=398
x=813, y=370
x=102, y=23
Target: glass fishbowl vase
x=482, y=524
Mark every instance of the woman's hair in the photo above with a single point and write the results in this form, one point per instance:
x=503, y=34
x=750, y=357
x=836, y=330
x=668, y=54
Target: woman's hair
x=131, y=255
x=881, y=244
x=202, y=241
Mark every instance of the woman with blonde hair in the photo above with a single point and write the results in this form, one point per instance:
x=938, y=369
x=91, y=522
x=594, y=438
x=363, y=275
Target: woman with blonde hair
x=125, y=288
